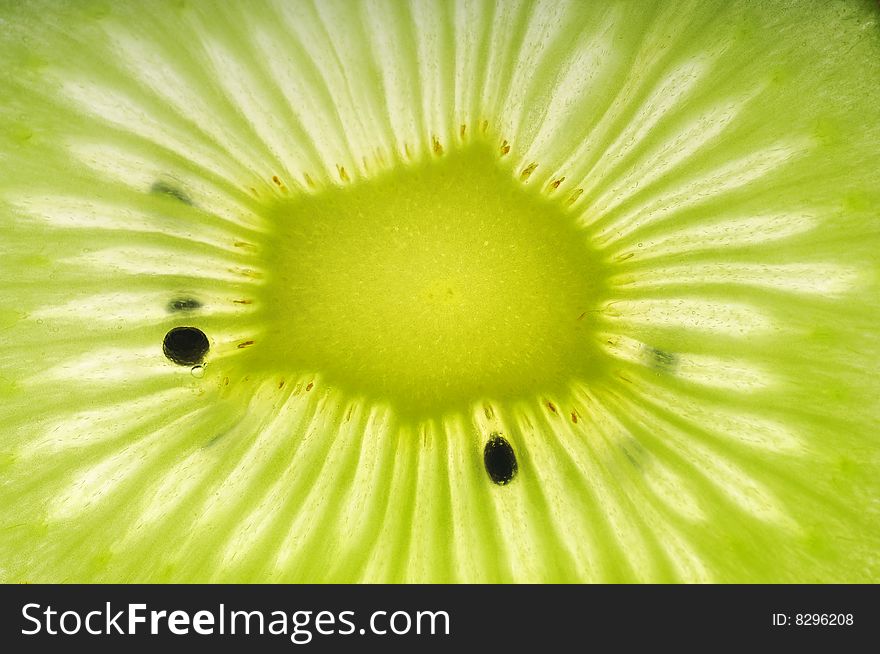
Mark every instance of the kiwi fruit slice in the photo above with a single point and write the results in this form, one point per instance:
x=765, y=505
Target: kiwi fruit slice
x=439, y=291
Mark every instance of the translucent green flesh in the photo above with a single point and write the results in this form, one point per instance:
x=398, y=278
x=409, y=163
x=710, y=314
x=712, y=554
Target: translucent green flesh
x=431, y=289
x=658, y=223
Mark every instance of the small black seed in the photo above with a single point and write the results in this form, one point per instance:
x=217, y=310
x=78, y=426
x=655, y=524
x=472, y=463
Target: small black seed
x=186, y=346
x=184, y=304
x=164, y=188
x=661, y=359
x=500, y=460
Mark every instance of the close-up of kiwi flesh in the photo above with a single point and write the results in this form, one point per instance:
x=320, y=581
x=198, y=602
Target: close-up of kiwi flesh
x=439, y=291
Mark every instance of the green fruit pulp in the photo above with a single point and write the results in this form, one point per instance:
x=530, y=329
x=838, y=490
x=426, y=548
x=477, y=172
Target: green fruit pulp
x=636, y=240
x=430, y=288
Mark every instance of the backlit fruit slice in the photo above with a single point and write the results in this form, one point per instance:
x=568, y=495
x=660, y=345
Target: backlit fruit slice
x=439, y=291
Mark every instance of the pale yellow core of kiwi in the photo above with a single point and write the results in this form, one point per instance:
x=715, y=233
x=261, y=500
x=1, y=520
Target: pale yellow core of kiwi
x=431, y=287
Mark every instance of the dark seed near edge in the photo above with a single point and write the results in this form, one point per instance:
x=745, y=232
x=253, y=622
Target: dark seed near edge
x=184, y=304
x=662, y=359
x=499, y=460
x=185, y=346
x=163, y=188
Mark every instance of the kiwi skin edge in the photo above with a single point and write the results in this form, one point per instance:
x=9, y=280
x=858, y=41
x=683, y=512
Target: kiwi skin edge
x=636, y=241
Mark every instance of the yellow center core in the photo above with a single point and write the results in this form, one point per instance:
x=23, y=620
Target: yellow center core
x=431, y=287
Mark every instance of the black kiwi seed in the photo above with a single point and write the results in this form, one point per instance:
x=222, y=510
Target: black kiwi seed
x=500, y=460
x=661, y=359
x=163, y=188
x=185, y=346
x=184, y=304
